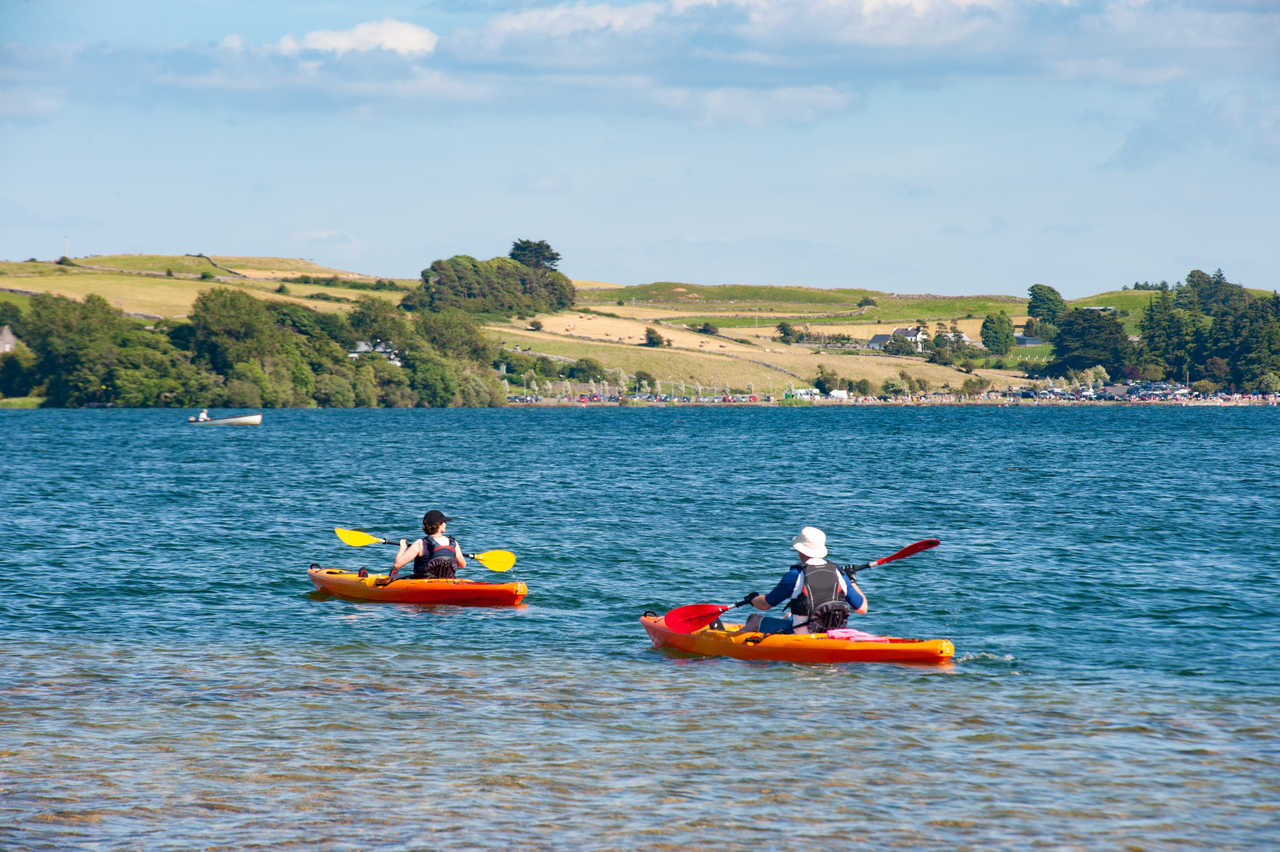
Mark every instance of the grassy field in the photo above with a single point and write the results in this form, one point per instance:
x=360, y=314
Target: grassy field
x=191, y=264
x=732, y=305
x=177, y=264
x=742, y=368
x=145, y=290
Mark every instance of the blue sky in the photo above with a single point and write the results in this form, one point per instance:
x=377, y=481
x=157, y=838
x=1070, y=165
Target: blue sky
x=914, y=146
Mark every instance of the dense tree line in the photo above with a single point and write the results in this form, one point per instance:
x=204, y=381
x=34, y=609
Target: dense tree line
x=525, y=282
x=1210, y=330
x=348, y=283
x=527, y=369
x=236, y=351
x=1206, y=331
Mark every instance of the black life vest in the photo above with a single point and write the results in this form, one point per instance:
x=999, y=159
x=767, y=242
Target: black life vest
x=436, y=560
x=823, y=598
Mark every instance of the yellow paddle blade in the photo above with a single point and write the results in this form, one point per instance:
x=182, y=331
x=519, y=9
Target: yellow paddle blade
x=355, y=538
x=496, y=560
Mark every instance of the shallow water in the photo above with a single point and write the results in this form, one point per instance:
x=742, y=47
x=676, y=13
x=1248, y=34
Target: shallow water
x=171, y=682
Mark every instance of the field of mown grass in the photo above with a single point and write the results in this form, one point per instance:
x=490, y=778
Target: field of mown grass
x=735, y=306
x=185, y=264
x=190, y=264
x=742, y=369
x=158, y=295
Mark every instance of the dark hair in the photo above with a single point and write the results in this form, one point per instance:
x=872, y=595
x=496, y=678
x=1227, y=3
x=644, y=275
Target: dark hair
x=432, y=521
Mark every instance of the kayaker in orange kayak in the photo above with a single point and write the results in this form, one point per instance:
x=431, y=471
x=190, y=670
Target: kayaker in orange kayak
x=435, y=554
x=822, y=596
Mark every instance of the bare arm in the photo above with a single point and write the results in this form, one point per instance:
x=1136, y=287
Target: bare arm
x=408, y=552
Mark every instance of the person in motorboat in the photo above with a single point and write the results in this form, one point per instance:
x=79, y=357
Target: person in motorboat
x=822, y=596
x=203, y=415
x=436, y=554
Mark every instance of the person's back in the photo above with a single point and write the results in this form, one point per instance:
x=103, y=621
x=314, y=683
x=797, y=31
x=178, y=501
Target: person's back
x=436, y=555
x=821, y=596
x=439, y=557
x=823, y=599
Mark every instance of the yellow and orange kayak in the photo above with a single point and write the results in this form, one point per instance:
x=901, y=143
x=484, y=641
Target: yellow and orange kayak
x=375, y=587
x=803, y=648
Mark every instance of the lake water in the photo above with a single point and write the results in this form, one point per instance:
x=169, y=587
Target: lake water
x=1108, y=576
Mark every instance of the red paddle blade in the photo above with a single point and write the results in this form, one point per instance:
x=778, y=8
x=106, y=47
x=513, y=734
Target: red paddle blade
x=686, y=619
x=910, y=549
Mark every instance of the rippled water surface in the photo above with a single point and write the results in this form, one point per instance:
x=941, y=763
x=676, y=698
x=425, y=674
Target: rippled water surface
x=170, y=681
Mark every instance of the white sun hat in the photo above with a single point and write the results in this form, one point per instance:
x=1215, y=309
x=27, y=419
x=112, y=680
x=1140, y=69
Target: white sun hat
x=811, y=542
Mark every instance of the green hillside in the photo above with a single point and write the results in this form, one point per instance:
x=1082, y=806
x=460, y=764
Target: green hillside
x=739, y=304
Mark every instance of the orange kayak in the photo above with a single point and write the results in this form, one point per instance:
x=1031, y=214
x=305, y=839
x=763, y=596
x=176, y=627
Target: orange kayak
x=375, y=587
x=802, y=648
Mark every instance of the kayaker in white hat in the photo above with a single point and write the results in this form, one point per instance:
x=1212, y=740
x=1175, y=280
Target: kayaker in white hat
x=822, y=596
x=436, y=554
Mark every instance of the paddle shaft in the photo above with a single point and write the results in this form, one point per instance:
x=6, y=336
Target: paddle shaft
x=397, y=544
x=356, y=538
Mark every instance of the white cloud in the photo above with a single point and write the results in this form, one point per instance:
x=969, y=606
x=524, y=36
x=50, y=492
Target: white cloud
x=390, y=35
x=564, y=21
x=841, y=21
x=873, y=22
x=234, y=42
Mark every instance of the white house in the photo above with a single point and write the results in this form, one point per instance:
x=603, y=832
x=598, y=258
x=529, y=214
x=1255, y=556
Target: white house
x=917, y=336
x=385, y=350
x=8, y=341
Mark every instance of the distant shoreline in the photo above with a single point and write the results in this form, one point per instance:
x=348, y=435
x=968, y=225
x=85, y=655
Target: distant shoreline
x=1242, y=400
x=1234, y=401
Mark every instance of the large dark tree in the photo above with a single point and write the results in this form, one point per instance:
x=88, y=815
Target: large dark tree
x=1045, y=303
x=1090, y=338
x=537, y=255
x=997, y=333
x=500, y=285
x=1213, y=294
x=1168, y=334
